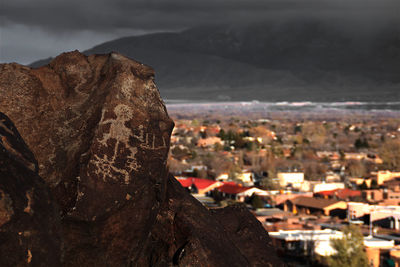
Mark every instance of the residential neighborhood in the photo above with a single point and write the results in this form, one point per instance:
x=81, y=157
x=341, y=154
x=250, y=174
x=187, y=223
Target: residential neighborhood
x=307, y=180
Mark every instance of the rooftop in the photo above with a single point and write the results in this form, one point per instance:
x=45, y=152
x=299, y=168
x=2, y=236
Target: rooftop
x=317, y=203
x=340, y=193
x=296, y=235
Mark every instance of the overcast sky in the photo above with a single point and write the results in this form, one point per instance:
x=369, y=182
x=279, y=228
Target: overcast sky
x=37, y=29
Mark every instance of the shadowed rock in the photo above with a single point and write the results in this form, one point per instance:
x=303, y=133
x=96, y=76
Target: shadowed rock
x=246, y=232
x=100, y=132
x=29, y=221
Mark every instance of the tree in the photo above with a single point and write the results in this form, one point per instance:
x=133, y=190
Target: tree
x=297, y=129
x=256, y=201
x=314, y=132
x=390, y=154
x=218, y=147
x=356, y=168
x=269, y=184
x=363, y=186
x=361, y=143
x=222, y=134
x=175, y=166
x=217, y=195
x=314, y=170
x=349, y=250
x=374, y=184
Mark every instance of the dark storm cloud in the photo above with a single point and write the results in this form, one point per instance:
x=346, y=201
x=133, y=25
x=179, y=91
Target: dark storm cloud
x=34, y=29
x=106, y=15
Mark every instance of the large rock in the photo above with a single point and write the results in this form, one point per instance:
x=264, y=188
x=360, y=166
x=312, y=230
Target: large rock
x=187, y=234
x=246, y=232
x=100, y=132
x=29, y=220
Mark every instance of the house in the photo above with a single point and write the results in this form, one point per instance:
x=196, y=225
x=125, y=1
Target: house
x=327, y=186
x=372, y=195
x=343, y=194
x=192, y=169
x=281, y=198
x=393, y=184
x=360, y=181
x=274, y=219
x=272, y=215
x=383, y=176
x=198, y=185
x=391, y=197
x=374, y=247
x=384, y=216
x=316, y=186
x=382, y=196
x=305, y=242
x=222, y=177
x=395, y=256
x=209, y=142
x=317, y=206
x=332, y=177
x=356, y=210
x=374, y=158
x=246, y=177
x=294, y=179
x=253, y=191
x=231, y=190
x=307, y=186
x=317, y=242
x=331, y=155
x=355, y=156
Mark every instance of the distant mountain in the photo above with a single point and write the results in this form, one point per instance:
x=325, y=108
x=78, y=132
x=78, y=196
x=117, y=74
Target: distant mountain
x=270, y=61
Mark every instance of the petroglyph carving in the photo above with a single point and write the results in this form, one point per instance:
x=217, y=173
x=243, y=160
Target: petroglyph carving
x=117, y=138
x=140, y=136
x=151, y=142
x=127, y=87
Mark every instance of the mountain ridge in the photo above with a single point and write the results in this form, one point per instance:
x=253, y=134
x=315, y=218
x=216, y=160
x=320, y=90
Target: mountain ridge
x=307, y=60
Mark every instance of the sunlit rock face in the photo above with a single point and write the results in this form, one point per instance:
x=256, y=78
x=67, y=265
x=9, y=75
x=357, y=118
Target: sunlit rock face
x=29, y=221
x=100, y=133
x=91, y=122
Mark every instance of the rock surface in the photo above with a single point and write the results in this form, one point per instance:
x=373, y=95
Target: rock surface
x=29, y=221
x=100, y=132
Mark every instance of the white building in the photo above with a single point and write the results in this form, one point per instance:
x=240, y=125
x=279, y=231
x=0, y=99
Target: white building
x=252, y=191
x=315, y=186
x=294, y=179
x=246, y=177
x=304, y=239
x=356, y=210
x=327, y=187
x=319, y=240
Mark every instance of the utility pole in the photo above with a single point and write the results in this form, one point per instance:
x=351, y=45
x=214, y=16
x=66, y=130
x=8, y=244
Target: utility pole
x=370, y=221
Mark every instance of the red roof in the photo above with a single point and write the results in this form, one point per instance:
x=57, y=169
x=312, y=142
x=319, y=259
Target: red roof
x=185, y=182
x=227, y=187
x=345, y=193
x=231, y=183
x=232, y=189
x=198, y=182
x=326, y=193
x=341, y=193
